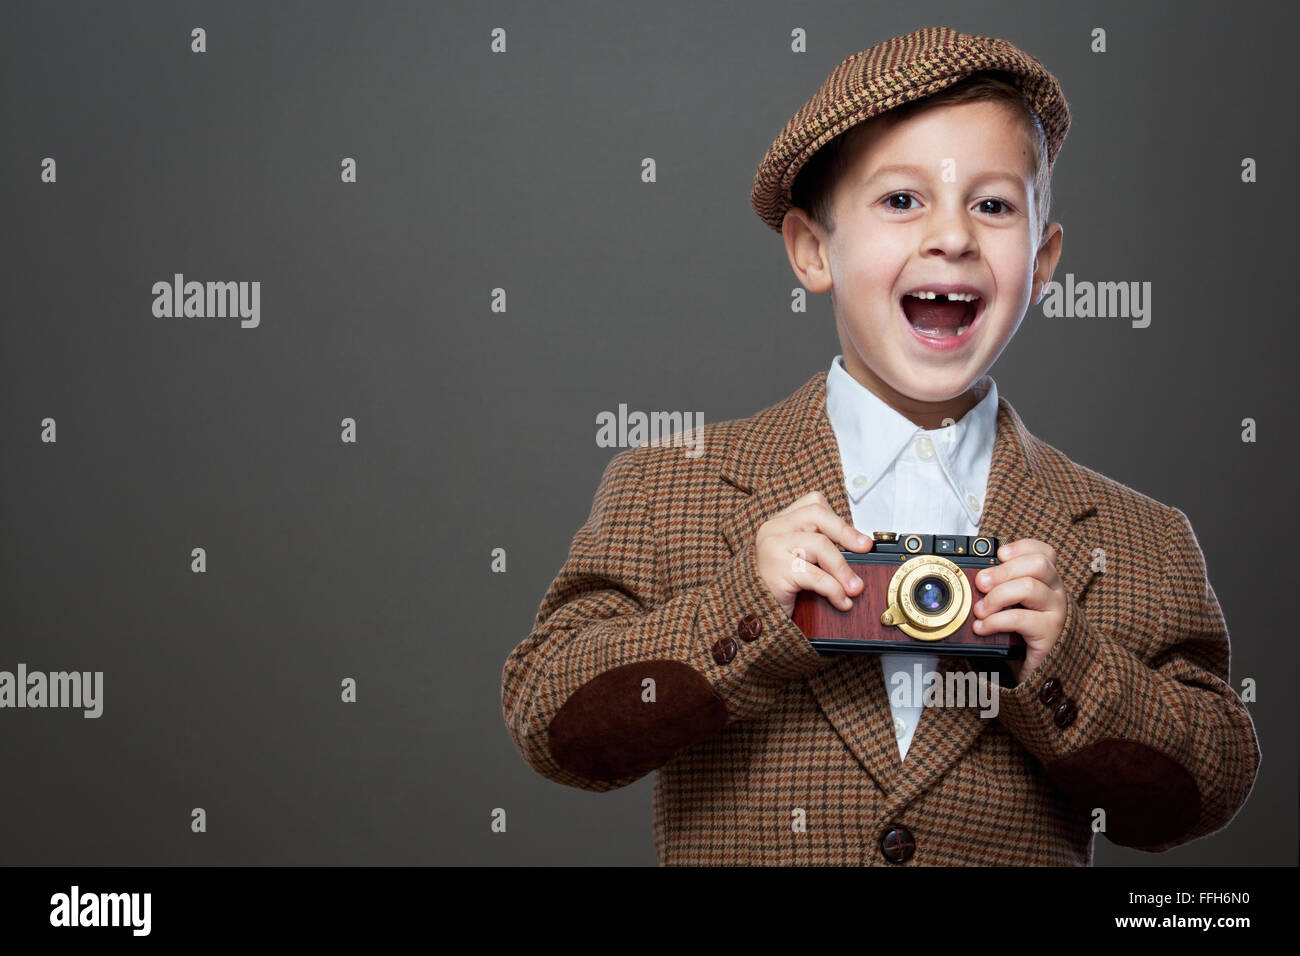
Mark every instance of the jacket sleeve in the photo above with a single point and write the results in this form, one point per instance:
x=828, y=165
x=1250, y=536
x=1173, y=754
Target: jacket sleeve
x=615, y=677
x=1160, y=742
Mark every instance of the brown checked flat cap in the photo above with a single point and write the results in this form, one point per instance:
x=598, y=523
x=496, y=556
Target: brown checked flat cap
x=890, y=74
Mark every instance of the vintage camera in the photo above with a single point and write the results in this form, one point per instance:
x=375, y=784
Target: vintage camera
x=919, y=589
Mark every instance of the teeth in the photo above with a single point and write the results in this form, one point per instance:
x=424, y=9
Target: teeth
x=939, y=335
x=951, y=296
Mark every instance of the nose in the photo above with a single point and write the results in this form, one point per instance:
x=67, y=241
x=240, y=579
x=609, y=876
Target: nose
x=949, y=233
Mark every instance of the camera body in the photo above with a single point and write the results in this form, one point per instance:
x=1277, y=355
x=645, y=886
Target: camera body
x=918, y=594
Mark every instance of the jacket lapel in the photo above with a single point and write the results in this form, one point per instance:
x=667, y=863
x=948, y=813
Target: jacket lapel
x=787, y=452
x=790, y=449
x=1031, y=493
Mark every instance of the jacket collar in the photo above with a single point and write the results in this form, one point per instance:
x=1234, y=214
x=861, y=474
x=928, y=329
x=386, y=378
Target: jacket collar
x=790, y=449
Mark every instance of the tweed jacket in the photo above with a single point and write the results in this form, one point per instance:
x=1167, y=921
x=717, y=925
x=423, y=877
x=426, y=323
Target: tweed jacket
x=780, y=755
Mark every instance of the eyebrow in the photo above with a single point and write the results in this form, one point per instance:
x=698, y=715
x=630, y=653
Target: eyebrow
x=900, y=168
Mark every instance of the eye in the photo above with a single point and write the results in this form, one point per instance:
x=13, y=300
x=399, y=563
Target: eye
x=1006, y=207
x=889, y=201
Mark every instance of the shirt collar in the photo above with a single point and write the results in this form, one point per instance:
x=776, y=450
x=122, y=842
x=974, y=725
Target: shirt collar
x=871, y=435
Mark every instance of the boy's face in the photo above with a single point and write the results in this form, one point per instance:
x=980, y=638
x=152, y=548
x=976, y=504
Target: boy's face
x=959, y=212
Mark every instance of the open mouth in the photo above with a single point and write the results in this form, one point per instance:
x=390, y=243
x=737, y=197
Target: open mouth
x=942, y=316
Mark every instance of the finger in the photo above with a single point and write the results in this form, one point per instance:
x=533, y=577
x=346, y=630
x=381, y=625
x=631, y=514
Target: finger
x=1029, y=592
x=1011, y=621
x=821, y=518
x=820, y=550
x=813, y=497
x=809, y=577
x=1022, y=546
x=1035, y=564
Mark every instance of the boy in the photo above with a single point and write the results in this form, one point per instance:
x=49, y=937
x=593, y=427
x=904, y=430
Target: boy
x=666, y=641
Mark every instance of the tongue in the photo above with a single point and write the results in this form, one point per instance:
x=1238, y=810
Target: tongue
x=933, y=317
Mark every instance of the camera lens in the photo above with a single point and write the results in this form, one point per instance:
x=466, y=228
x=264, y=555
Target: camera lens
x=931, y=595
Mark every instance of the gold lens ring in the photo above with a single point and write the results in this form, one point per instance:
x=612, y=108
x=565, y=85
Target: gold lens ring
x=921, y=624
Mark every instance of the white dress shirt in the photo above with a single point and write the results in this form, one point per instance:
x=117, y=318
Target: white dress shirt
x=900, y=477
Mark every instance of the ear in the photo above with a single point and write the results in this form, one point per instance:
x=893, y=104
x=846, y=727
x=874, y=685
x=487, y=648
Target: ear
x=1049, y=253
x=807, y=247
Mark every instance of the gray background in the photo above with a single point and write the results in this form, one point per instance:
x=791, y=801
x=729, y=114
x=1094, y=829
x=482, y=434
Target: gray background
x=477, y=429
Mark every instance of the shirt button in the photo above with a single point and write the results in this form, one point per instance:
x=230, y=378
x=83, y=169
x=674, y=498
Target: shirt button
x=924, y=447
x=859, y=481
x=973, y=502
x=900, y=727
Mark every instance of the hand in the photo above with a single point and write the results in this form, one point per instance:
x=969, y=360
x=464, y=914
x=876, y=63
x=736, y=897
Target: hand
x=798, y=550
x=1027, y=575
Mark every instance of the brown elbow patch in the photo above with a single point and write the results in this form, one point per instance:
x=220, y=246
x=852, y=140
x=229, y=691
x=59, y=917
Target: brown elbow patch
x=607, y=730
x=1149, y=798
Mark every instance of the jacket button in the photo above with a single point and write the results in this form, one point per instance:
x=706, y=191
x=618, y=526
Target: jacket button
x=750, y=627
x=724, y=650
x=1051, y=691
x=1065, y=714
x=897, y=845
